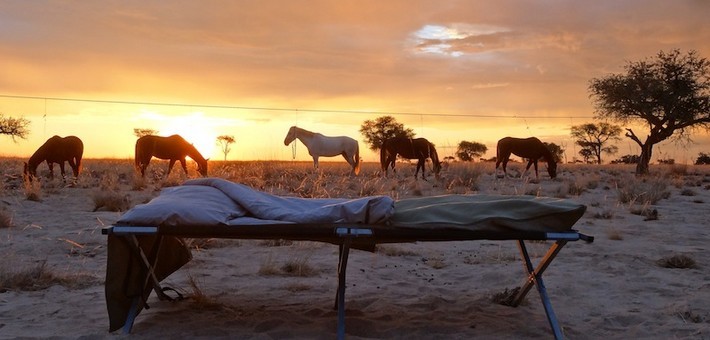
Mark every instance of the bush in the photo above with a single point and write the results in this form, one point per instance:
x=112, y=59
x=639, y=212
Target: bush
x=703, y=158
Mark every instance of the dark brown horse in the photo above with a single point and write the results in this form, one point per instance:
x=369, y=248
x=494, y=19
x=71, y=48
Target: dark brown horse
x=56, y=150
x=417, y=148
x=174, y=148
x=530, y=148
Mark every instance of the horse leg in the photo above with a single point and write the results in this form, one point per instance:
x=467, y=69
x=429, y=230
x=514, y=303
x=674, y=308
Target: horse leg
x=74, y=169
x=536, y=176
x=61, y=170
x=184, y=166
x=143, y=166
x=502, y=158
x=315, y=162
x=530, y=162
x=423, y=163
x=170, y=166
x=51, y=169
x=350, y=161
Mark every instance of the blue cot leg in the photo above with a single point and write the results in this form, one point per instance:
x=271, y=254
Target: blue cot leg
x=535, y=278
x=131, y=317
x=340, y=302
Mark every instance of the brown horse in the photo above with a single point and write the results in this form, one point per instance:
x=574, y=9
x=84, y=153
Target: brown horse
x=174, y=148
x=530, y=148
x=56, y=150
x=417, y=148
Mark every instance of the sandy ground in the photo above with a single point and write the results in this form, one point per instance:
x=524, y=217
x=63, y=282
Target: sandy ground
x=613, y=288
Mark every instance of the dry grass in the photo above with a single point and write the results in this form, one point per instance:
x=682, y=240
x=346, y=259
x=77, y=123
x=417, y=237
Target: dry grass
x=299, y=266
x=200, y=300
x=32, y=190
x=645, y=190
x=269, y=267
x=110, y=200
x=677, y=261
x=5, y=218
x=41, y=277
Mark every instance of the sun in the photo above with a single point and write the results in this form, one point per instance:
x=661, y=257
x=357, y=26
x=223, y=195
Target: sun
x=196, y=129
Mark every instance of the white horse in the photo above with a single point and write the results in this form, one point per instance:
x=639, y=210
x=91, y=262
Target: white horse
x=319, y=145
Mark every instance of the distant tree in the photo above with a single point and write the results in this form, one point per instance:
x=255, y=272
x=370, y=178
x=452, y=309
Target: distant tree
x=224, y=142
x=703, y=158
x=669, y=161
x=14, y=127
x=593, y=137
x=144, y=132
x=468, y=151
x=375, y=132
x=587, y=154
x=557, y=151
x=670, y=93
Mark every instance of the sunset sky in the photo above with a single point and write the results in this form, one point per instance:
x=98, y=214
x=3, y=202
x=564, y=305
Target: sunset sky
x=450, y=70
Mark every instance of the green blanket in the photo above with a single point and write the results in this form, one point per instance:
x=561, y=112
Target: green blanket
x=488, y=212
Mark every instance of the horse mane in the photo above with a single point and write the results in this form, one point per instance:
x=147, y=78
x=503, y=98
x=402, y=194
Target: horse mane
x=433, y=154
x=194, y=153
x=303, y=132
x=547, y=154
x=40, y=154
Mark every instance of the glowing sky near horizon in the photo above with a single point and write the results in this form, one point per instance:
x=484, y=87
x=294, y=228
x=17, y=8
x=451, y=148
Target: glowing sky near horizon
x=251, y=69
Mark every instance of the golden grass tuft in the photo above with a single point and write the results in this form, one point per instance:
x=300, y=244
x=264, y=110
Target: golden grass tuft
x=110, y=200
x=32, y=190
x=647, y=190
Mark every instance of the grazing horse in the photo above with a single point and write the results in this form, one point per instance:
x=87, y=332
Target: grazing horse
x=174, y=148
x=417, y=148
x=319, y=145
x=531, y=148
x=56, y=150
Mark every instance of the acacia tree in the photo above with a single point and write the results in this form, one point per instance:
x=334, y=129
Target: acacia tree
x=14, y=127
x=593, y=137
x=670, y=93
x=144, y=132
x=385, y=127
x=224, y=142
x=468, y=151
x=556, y=150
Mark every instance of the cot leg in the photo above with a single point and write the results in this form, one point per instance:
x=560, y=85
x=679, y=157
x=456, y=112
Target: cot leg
x=131, y=318
x=340, y=299
x=535, y=278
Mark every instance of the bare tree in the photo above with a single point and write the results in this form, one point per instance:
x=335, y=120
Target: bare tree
x=670, y=93
x=14, y=127
x=224, y=142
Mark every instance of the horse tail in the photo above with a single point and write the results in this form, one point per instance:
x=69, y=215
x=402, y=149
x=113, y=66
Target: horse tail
x=383, y=155
x=138, y=154
x=356, y=169
x=79, y=155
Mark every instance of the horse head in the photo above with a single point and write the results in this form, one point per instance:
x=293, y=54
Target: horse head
x=290, y=136
x=552, y=168
x=202, y=167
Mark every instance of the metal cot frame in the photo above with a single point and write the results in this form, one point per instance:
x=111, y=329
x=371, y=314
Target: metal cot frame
x=348, y=237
